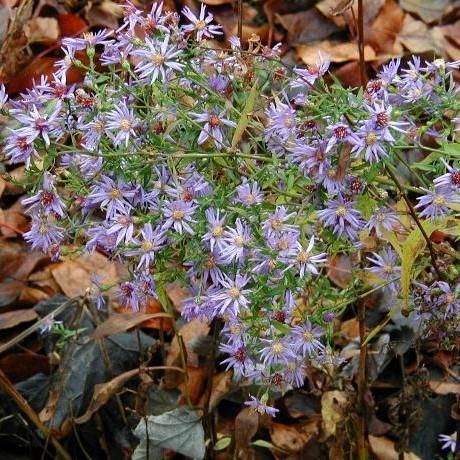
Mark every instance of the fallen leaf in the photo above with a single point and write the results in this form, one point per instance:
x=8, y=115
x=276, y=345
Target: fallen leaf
x=444, y=388
x=338, y=52
x=153, y=306
x=16, y=175
x=221, y=385
x=71, y=25
x=13, y=318
x=293, y=438
x=428, y=10
x=196, y=384
x=31, y=295
x=339, y=270
x=21, y=366
x=349, y=329
x=385, y=28
x=384, y=449
x=103, y=392
x=246, y=426
x=42, y=30
x=415, y=36
x=120, y=322
x=105, y=14
x=333, y=406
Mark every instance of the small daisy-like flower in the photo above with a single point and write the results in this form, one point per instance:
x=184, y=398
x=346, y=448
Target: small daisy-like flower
x=178, y=216
x=48, y=325
x=383, y=219
x=386, y=265
x=122, y=121
x=450, y=179
x=19, y=148
x=339, y=132
x=260, y=407
x=216, y=231
x=129, y=296
x=449, y=442
x=3, y=96
x=122, y=228
x=371, y=142
x=276, y=351
x=46, y=200
x=435, y=203
x=239, y=359
x=312, y=72
x=235, y=242
x=44, y=234
x=201, y=24
x=276, y=223
x=305, y=339
x=342, y=217
x=212, y=129
x=152, y=241
x=158, y=60
x=249, y=193
x=304, y=261
x=281, y=121
x=232, y=298
x=87, y=40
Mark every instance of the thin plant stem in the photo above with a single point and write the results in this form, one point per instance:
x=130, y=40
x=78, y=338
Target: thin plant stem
x=362, y=64
x=362, y=386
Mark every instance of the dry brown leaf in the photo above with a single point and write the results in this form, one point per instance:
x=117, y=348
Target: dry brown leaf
x=120, y=322
x=338, y=52
x=293, y=438
x=384, y=449
x=444, y=388
x=17, y=174
x=15, y=317
x=42, y=30
x=339, y=270
x=428, y=10
x=333, y=407
x=196, y=384
x=415, y=36
x=13, y=221
x=246, y=426
x=385, y=28
x=451, y=50
x=21, y=366
x=32, y=295
x=350, y=329
x=177, y=293
x=103, y=392
x=74, y=276
x=221, y=385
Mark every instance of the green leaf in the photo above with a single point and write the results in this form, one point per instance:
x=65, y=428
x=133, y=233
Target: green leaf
x=223, y=443
x=244, y=120
x=414, y=246
x=179, y=430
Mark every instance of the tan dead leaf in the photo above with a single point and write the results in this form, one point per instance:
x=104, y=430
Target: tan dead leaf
x=246, y=426
x=293, y=438
x=451, y=49
x=2, y=186
x=333, y=408
x=385, y=28
x=384, y=449
x=350, y=329
x=428, y=10
x=42, y=30
x=120, y=322
x=188, y=331
x=338, y=52
x=44, y=279
x=103, y=392
x=196, y=384
x=15, y=317
x=415, y=36
x=217, y=2
x=177, y=293
x=74, y=276
x=248, y=31
x=105, y=14
x=14, y=221
x=339, y=270
x=31, y=295
x=221, y=385
x=17, y=174
x=444, y=388
x=452, y=31
x=326, y=7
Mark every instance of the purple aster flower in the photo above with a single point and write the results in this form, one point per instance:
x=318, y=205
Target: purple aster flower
x=381, y=120
x=311, y=158
x=449, y=299
x=19, y=148
x=121, y=120
x=93, y=131
x=44, y=234
x=215, y=232
x=46, y=200
x=276, y=351
x=239, y=359
x=450, y=179
x=66, y=62
x=285, y=242
x=87, y=40
x=48, y=325
x=312, y=72
x=386, y=265
x=218, y=83
x=235, y=242
x=435, y=203
x=260, y=407
x=39, y=124
x=449, y=442
x=383, y=219
x=129, y=295
x=111, y=196
x=331, y=179
x=339, y=132
x=178, y=215
x=212, y=128
x=249, y=193
x=232, y=298
x=122, y=228
x=294, y=373
x=414, y=91
x=3, y=96
x=201, y=25
x=158, y=60
x=275, y=224
x=389, y=71
x=305, y=339
x=370, y=141
x=57, y=88
x=155, y=19
x=342, y=218
x=96, y=291
x=303, y=260
x=281, y=121
x=209, y=269
x=152, y=242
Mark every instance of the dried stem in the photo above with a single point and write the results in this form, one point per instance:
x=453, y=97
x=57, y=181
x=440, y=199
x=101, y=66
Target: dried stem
x=362, y=64
x=240, y=19
x=362, y=386
x=9, y=389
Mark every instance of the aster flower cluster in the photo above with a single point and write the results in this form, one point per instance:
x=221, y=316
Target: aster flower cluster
x=182, y=161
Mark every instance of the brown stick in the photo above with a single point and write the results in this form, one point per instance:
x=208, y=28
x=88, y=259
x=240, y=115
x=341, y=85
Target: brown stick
x=362, y=64
x=362, y=386
x=240, y=19
x=9, y=389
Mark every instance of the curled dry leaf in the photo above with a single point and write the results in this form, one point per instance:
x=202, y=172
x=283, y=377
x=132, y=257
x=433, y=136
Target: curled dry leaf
x=121, y=322
x=338, y=52
x=339, y=270
x=42, y=30
x=384, y=449
x=246, y=426
x=221, y=385
x=71, y=25
x=333, y=408
x=13, y=318
x=428, y=10
x=293, y=438
x=416, y=36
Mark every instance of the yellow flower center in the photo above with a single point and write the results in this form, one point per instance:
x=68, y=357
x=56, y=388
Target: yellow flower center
x=115, y=194
x=178, y=214
x=146, y=246
x=303, y=257
x=234, y=292
x=341, y=211
x=125, y=124
x=217, y=231
x=276, y=224
x=239, y=241
x=371, y=139
x=200, y=25
x=158, y=59
x=439, y=199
